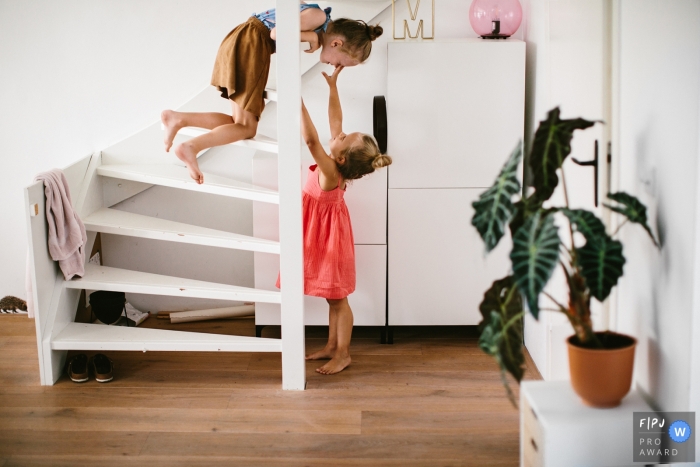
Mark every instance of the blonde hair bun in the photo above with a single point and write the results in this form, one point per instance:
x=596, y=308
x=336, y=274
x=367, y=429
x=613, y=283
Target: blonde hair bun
x=382, y=160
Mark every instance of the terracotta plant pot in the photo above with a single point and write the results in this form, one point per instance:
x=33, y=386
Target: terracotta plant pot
x=602, y=377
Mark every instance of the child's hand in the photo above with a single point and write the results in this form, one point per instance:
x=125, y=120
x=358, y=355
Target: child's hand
x=331, y=80
x=313, y=43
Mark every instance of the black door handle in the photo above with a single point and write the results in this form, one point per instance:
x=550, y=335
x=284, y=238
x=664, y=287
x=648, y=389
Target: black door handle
x=380, y=123
x=593, y=163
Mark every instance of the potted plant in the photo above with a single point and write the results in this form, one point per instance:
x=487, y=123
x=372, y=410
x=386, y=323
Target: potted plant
x=592, y=262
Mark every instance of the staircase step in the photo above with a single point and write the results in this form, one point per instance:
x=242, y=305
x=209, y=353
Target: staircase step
x=258, y=142
x=270, y=94
x=123, y=280
x=81, y=336
x=113, y=221
x=176, y=176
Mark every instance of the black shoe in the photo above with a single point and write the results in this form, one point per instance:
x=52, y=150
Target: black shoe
x=78, y=368
x=102, y=368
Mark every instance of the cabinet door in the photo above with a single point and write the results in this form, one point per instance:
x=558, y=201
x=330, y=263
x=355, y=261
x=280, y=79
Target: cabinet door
x=368, y=302
x=438, y=270
x=455, y=111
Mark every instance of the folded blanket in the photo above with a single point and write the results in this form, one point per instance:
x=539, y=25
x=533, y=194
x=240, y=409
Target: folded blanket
x=67, y=237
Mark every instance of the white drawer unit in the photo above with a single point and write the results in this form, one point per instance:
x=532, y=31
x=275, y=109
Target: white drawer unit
x=557, y=429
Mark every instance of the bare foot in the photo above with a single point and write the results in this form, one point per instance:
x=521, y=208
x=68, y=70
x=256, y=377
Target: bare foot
x=336, y=365
x=172, y=125
x=322, y=354
x=186, y=153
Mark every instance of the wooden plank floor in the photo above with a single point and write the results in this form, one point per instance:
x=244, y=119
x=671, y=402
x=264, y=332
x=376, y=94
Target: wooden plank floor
x=432, y=398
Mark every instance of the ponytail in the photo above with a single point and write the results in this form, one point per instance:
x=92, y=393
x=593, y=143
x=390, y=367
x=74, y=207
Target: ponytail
x=381, y=160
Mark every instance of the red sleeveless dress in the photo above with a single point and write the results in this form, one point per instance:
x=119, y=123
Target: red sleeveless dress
x=329, y=246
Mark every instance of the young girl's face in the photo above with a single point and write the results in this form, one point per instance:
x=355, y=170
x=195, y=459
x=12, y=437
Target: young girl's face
x=342, y=143
x=332, y=54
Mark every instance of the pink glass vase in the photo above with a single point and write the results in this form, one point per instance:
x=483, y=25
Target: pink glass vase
x=495, y=19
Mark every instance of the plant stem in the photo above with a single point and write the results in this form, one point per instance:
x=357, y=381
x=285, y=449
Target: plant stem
x=620, y=226
x=564, y=249
x=566, y=199
x=562, y=308
x=563, y=266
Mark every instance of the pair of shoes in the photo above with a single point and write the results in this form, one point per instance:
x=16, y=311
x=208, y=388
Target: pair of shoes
x=79, y=368
x=102, y=368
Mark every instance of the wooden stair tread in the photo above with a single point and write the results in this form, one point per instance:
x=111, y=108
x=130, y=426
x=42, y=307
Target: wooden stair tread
x=82, y=336
x=113, y=221
x=123, y=280
x=176, y=176
x=270, y=94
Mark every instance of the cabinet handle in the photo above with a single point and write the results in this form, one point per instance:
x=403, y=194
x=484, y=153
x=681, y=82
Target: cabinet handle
x=593, y=163
x=380, y=122
x=534, y=444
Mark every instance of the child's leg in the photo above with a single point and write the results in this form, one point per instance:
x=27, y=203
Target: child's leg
x=329, y=350
x=344, y=322
x=244, y=126
x=174, y=121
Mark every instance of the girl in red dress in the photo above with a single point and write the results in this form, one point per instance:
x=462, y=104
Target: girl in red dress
x=329, y=247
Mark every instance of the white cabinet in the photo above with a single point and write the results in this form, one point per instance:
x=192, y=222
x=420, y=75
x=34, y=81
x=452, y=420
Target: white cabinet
x=557, y=429
x=367, y=200
x=455, y=112
x=438, y=272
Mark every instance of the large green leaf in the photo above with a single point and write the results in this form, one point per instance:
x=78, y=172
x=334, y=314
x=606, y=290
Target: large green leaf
x=502, y=329
x=585, y=222
x=633, y=209
x=502, y=304
x=550, y=148
x=601, y=264
x=534, y=256
x=494, y=208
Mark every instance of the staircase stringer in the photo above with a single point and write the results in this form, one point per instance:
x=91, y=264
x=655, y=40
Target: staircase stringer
x=52, y=306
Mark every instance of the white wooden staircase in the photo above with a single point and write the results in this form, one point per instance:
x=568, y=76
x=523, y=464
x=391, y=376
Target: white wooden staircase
x=102, y=180
x=92, y=198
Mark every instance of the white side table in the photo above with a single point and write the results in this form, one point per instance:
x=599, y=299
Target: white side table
x=558, y=430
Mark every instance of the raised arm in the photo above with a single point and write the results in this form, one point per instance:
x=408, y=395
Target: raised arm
x=324, y=161
x=335, y=112
x=310, y=19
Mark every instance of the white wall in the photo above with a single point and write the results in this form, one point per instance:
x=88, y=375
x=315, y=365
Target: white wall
x=658, y=100
x=566, y=54
x=659, y=120
x=79, y=75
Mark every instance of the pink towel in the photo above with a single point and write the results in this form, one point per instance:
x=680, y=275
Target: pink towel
x=67, y=237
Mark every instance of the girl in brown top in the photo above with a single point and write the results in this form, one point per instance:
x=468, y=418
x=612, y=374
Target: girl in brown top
x=241, y=69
